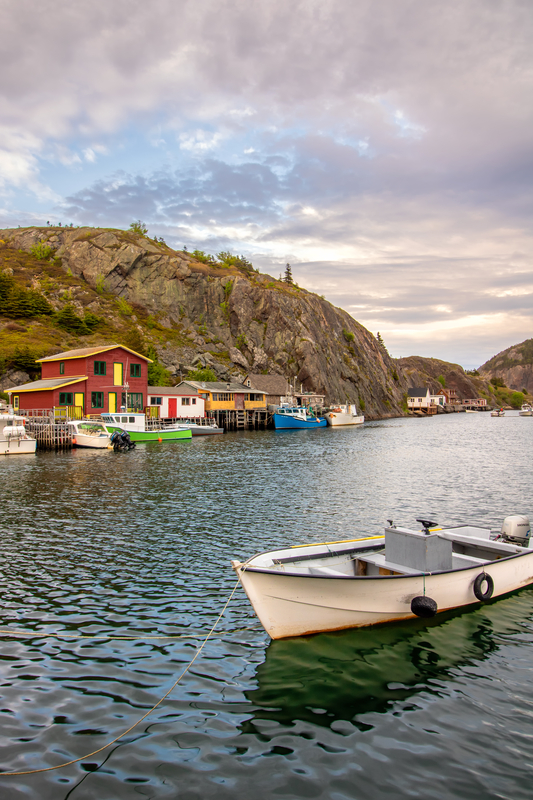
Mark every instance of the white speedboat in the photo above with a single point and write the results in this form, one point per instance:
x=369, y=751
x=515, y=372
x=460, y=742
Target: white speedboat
x=344, y=415
x=14, y=440
x=526, y=410
x=209, y=428
x=405, y=573
x=471, y=410
x=497, y=412
x=89, y=433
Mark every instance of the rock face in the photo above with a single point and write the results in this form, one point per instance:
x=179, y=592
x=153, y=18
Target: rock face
x=514, y=366
x=242, y=320
x=419, y=371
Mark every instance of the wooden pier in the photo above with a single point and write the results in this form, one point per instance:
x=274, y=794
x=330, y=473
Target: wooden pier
x=51, y=434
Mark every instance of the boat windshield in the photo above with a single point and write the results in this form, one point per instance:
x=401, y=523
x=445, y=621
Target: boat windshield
x=91, y=427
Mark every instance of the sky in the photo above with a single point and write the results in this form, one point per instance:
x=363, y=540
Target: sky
x=383, y=148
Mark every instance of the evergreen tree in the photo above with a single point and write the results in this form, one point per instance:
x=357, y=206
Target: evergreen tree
x=288, y=274
x=381, y=343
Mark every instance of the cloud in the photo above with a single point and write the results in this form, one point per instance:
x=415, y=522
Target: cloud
x=387, y=155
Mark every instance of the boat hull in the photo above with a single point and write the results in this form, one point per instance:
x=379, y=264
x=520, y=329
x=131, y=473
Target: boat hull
x=15, y=446
x=95, y=442
x=151, y=436
x=293, y=605
x=286, y=422
x=336, y=418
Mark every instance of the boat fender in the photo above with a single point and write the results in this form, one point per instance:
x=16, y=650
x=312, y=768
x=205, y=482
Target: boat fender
x=424, y=606
x=481, y=595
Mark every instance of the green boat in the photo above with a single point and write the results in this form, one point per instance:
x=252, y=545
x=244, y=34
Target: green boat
x=135, y=424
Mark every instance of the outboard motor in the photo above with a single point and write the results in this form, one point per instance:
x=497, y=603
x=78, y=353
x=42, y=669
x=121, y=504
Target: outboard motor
x=121, y=441
x=516, y=529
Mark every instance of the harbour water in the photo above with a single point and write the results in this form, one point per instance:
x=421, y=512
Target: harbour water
x=138, y=545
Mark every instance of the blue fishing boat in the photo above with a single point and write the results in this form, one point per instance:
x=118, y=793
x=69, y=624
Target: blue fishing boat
x=286, y=417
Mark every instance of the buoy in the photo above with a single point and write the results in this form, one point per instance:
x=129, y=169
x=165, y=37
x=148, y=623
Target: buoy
x=160, y=439
x=423, y=606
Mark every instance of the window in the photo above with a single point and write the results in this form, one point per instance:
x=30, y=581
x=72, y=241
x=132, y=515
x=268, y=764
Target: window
x=222, y=396
x=61, y=367
x=99, y=367
x=194, y=401
x=135, y=401
x=16, y=402
x=97, y=399
x=65, y=399
x=185, y=401
x=135, y=370
x=156, y=401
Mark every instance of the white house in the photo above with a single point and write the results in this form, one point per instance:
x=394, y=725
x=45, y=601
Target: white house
x=418, y=398
x=175, y=402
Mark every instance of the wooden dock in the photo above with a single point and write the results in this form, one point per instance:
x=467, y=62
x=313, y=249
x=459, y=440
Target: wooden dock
x=51, y=434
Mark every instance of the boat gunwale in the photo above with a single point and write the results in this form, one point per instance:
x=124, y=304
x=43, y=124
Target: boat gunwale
x=482, y=566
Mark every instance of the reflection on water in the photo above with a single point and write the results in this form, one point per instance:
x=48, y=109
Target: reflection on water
x=140, y=543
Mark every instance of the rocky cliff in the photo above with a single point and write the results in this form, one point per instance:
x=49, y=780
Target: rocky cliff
x=513, y=366
x=420, y=371
x=229, y=317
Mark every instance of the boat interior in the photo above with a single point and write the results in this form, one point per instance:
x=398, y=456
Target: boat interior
x=400, y=552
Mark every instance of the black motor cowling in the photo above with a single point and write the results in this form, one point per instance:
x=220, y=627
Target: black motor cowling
x=121, y=440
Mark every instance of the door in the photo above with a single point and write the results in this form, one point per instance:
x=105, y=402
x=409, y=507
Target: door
x=78, y=404
x=118, y=375
x=172, y=407
x=239, y=402
x=112, y=402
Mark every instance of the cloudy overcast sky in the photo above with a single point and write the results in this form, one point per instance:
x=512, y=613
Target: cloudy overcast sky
x=382, y=147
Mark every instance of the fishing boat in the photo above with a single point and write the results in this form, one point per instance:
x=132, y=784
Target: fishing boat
x=89, y=433
x=406, y=573
x=14, y=440
x=526, y=410
x=135, y=424
x=344, y=415
x=497, y=412
x=286, y=417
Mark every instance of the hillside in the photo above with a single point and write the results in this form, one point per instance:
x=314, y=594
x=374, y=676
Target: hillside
x=513, y=366
x=102, y=286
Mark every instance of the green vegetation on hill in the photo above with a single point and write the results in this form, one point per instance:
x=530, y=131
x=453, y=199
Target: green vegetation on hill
x=517, y=356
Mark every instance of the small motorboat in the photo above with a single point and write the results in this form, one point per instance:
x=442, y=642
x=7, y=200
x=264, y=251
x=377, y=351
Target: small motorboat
x=526, y=410
x=208, y=428
x=89, y=433
x=286, y=417
x=14, y=440
x=497, y=412
x=344, y=415
x=471, y=411
x=406, y=573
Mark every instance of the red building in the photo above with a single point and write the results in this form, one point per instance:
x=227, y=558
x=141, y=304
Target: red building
x=86, y=381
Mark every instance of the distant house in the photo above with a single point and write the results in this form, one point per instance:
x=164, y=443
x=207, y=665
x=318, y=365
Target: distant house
x=276, y=387
x=477, y=402
x=227, y=396
x=175, y=402
x=438, y=399
x=418, y=398
x=86, y=381
x=309, y=399
x=451, y=396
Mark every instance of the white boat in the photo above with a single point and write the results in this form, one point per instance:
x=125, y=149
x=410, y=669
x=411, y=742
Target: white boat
x=89, y=433
x=14, y=440
x=344, y=415
x=312, y=588
x=471, y=411
x=526, y=410
x=209, y=428
x=497, y=412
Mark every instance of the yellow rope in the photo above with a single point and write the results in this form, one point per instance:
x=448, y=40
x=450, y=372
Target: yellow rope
x=100, y=749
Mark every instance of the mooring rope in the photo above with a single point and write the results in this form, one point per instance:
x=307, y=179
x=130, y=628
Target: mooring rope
x=105, y=746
